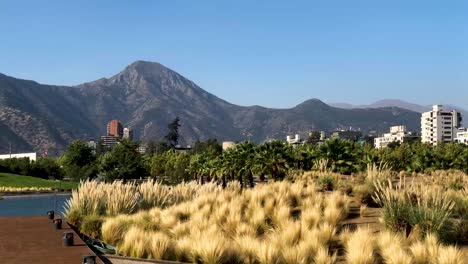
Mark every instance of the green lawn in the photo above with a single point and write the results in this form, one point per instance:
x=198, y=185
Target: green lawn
x=14, y=180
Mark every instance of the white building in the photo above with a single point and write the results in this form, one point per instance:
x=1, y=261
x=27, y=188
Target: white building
x=128, y=133
x=439, y=125
x=462, y=136
x=296, y=140
x=31, y=156
x=397, y=134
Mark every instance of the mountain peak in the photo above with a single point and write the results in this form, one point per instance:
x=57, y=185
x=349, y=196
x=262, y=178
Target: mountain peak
x=312, y=101
x=145, y=68
x=142, y=71
x=145, y=64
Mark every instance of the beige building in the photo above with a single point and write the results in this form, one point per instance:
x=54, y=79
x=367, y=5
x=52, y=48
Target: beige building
x=439, y=125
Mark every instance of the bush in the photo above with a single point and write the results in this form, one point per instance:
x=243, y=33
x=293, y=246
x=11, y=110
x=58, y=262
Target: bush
x=326, y=183
x=74, y=217
x=91, y=226
x=405, y=209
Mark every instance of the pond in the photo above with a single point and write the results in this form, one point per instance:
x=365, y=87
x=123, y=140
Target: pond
x=31, y=205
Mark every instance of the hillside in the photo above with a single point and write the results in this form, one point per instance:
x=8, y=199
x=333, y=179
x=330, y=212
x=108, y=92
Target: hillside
x=146, y=96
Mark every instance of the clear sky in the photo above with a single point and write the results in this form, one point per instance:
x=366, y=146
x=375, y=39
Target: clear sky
x=270, y=53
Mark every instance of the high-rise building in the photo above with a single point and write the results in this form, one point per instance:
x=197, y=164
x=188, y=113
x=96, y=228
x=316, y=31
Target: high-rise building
x=128, y=133
x=114, y=128
x=439, y=125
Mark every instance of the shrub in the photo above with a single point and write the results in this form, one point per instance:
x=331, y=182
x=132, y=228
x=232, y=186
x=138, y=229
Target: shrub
x=74, y=217
x=404, y=209
x=91, y=226
x=326, y=183
x=360, y=247
x=114, y=229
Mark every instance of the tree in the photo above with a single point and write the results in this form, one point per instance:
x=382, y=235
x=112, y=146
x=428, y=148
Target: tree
x=172, y=136
x=314, y=138
x=273, y=159
x=342, y=155
x=304, y=156
x=244, y=161
x=123, y=162
x=150, y=148
x=47, y=168
x=79, y=161
x=162, y=147
x=210, y=146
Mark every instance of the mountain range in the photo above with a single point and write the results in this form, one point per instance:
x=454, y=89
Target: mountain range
x=146, y=96
x=399, y=103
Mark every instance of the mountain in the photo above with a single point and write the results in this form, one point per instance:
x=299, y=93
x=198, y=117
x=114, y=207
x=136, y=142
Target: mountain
x=400, y=104
x=146, y=96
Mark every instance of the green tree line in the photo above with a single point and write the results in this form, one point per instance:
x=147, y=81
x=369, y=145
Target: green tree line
x=244, y=162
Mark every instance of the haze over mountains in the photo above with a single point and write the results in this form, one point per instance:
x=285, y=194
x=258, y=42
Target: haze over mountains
x=399, y=103
x=146, y=96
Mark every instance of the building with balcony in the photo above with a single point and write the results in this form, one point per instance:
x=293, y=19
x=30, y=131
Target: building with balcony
x=398, y=134
x=296, y=140
x=462, y=136
x=439, y=125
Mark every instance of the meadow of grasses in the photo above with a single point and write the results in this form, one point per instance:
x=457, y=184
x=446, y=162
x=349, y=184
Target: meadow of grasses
x=292, y=221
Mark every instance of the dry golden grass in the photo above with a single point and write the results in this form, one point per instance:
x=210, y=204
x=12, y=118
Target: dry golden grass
x=279, y=222
x=275, y=222
x=378, y=172
x=360, y=247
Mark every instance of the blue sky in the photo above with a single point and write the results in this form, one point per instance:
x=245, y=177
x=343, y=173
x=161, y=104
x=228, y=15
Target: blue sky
x=270, y=53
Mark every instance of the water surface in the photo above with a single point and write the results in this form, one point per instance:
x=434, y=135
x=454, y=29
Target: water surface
x=32, y=205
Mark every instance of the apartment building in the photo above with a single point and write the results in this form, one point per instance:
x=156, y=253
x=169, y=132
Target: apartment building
x=439, y=125
x=462, y=136
x=397, y=134
x=296, y=140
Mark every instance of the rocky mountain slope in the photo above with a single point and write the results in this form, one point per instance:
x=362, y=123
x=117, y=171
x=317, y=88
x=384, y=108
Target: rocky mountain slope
x=146, y=96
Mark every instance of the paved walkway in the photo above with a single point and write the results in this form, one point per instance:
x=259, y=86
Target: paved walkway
x=34, y=239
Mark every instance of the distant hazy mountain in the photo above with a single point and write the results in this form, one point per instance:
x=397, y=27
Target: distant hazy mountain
x=146, y=96
x=400, y=104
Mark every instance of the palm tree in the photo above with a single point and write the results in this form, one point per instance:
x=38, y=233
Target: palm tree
x=341, y=155
x=273, y=159
x=242, y=159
